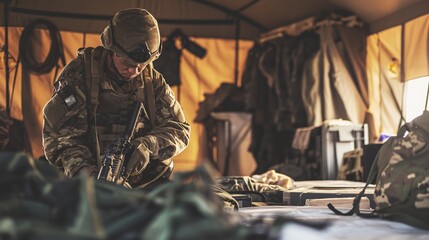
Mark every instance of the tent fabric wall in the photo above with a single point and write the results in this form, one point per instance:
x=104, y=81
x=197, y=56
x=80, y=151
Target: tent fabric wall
x=198, y=76
x=384, y=69
x=32, y=91
x=383, y=66
x=201, y=76
x=416, y=48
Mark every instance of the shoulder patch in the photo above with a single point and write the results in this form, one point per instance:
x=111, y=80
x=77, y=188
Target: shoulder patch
x=67, y=94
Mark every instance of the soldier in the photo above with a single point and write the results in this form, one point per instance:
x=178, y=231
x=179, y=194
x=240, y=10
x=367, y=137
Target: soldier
x=93, y=96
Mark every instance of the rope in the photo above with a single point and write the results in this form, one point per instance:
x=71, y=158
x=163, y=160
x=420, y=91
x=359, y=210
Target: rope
x=56, y=50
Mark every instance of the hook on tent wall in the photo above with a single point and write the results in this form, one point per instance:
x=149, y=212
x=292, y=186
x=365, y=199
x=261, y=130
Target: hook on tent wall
x=188, y=44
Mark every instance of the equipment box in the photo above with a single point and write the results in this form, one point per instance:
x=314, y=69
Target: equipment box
x=336, y=139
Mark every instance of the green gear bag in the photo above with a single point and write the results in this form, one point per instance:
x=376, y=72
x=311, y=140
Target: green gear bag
x=402, y=170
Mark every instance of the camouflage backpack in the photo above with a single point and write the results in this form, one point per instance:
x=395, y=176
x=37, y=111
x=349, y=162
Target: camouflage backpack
x=402, y=183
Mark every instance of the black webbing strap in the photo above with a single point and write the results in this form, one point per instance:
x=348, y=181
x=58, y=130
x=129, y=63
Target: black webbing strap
x=94, y=60
x=147, y=76
x=356, y=202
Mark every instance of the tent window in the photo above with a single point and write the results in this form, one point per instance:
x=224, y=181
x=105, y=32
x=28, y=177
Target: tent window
x=415, y=97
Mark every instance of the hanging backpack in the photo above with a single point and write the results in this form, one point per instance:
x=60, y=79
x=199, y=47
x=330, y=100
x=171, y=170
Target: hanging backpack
x=402, y=183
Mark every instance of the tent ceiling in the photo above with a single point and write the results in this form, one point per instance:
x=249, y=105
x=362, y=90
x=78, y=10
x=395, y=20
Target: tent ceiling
x=201, y=18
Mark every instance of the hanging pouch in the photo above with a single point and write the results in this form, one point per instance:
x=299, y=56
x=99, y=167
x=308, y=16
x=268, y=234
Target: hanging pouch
x=62, y=106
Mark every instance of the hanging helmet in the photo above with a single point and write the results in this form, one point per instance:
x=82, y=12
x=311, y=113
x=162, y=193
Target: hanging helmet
x=133, y=35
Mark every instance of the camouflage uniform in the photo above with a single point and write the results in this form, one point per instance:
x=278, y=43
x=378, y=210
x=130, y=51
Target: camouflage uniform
x=69, y=128
x=5, y=123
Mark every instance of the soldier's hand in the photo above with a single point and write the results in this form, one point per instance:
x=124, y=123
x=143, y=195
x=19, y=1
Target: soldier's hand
x=123, y=183
x=139, y=159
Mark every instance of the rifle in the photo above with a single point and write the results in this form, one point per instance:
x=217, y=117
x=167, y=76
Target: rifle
x=118, y=153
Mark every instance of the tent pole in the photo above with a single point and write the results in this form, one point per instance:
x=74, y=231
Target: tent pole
x=427, y=91
x=6, y=52
x=237, y=47
x=233, y=14
x=108, y=17
x=402, y=75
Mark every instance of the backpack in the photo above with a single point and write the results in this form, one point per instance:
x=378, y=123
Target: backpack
x=402, y=170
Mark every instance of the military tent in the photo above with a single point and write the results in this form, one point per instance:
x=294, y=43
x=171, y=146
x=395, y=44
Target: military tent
x=397, y=34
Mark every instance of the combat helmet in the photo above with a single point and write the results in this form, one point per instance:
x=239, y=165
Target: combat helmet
x=133, y=35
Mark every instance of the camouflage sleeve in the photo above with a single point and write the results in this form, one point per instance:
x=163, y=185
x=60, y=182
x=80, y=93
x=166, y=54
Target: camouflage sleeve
x=5, y=123
x=171, y=134
x=65, y=124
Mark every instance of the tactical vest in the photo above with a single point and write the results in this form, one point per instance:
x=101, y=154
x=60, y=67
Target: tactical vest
x=109, y=109
x=113, y=113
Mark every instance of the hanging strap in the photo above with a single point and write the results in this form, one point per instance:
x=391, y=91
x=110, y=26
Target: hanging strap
x=87, y=61
x=371, y=177
x=356, y=202
x=94, y=60
x=147, y=76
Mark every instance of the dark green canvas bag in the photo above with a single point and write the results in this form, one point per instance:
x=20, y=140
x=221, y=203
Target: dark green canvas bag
x=402, y=171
